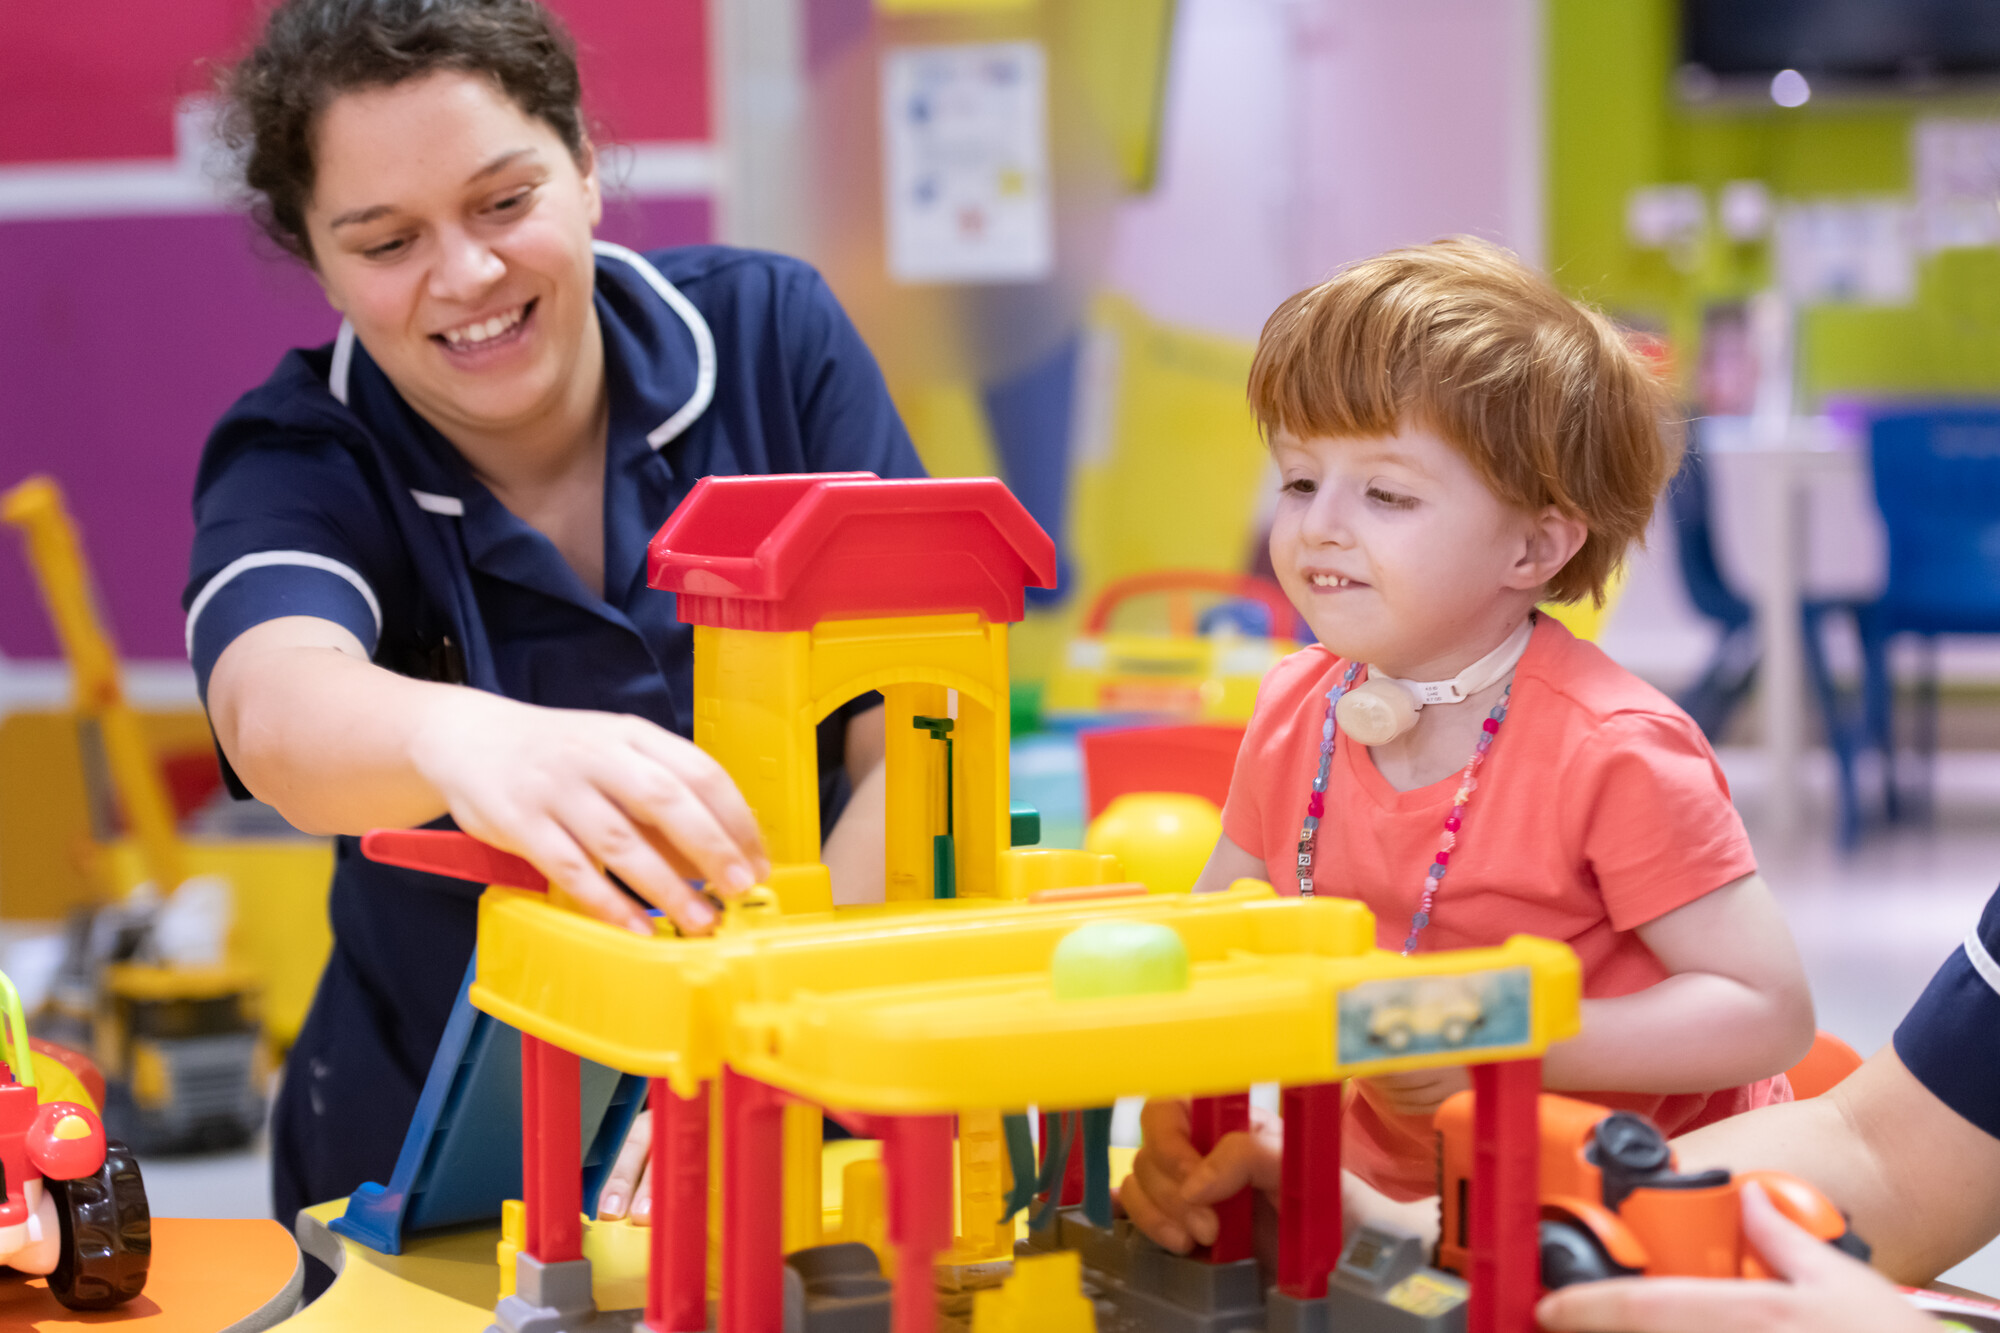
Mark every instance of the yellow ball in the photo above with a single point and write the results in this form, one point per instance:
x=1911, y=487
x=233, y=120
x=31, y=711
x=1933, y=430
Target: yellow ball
x=1163, y=838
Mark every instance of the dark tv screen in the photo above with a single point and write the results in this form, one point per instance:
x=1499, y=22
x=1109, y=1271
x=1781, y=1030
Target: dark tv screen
x=1860, y=40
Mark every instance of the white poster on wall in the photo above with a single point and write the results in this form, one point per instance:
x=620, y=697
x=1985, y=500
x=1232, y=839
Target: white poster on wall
x=1956, y=165
x=965, y=163
x=1849, y=250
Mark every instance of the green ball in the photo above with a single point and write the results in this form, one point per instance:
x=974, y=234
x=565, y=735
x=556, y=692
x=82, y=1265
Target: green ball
x=1119, y=958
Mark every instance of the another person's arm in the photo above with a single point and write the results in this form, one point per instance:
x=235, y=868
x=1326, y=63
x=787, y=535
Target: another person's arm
x=856, y=846
x=340, y=745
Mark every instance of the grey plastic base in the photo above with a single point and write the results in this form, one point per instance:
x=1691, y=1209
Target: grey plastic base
x=556, y=1298
x=1351, y=1312
x=1147, y=1288
x=836, y=1289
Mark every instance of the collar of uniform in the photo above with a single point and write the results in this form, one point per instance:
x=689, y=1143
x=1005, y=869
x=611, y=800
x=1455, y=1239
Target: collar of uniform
x=659, y=356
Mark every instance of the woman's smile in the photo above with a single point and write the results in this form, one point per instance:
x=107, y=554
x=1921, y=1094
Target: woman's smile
x=477, y=343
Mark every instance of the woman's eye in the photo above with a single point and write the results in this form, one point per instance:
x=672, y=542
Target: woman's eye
x=386, y=250
x=514, y=203
x=1391, y=498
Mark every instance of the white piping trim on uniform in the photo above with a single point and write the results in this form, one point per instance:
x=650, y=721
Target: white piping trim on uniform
x=704, y=343
x=433, y=503
x=343, y=360
x=1982, y=961
x=264, y=559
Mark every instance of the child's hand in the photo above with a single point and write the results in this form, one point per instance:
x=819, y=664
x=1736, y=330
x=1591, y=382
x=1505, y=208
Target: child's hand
x=1418, y=1091
x=1172, y=1187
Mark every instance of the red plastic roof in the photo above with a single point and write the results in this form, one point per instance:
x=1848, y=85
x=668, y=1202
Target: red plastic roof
x=785, y=552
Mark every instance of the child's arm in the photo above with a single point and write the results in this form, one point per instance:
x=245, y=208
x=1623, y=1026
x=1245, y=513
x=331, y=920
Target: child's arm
x=1227, y=864
x=1736, y=1008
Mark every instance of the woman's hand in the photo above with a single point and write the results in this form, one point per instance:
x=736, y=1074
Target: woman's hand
x=580, y=794
x=1172, y=1189
x=625, y=1191
x=1824, y=1291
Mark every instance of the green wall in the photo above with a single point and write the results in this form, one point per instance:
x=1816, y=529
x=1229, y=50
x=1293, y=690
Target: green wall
x=1615, y=123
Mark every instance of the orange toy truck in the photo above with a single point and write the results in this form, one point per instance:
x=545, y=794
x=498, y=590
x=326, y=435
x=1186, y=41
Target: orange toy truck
x=1612, y=1204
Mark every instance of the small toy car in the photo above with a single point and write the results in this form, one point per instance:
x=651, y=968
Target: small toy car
x=1204, y=669
x=1614, y=1206
x=1449, y=1015
x=74, y=1205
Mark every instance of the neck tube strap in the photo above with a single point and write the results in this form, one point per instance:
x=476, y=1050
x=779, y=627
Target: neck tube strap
x=1474, y=678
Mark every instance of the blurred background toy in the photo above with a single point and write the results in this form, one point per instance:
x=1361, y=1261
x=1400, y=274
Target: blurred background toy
x=197, y=924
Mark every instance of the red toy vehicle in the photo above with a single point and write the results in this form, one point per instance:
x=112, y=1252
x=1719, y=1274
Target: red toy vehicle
x=74, y=1206
x=1612, y=1204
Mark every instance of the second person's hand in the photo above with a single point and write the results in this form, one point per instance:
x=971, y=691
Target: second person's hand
x=581, y=793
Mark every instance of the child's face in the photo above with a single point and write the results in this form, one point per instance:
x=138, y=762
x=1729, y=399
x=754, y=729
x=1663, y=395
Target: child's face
x=1396, y=553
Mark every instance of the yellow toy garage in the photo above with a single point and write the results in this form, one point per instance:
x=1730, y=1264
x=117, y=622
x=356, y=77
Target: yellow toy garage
x=928, y=1017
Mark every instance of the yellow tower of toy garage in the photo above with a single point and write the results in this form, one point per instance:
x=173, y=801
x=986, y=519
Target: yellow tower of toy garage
x=806, y=591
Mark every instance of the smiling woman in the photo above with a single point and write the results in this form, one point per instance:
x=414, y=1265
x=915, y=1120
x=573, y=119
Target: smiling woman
x=418, y=592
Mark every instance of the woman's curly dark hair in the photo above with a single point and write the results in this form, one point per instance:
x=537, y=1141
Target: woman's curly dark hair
x=314, y=50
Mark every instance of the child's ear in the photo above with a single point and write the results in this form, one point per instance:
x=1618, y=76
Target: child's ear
x=1551, y=538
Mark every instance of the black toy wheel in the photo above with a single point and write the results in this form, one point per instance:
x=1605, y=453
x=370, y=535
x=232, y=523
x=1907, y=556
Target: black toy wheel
x=107, y=1234
x=1571, y=1254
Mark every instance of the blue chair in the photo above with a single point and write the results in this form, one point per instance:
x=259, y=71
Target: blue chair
x=1731, y=673
x=1937, y=480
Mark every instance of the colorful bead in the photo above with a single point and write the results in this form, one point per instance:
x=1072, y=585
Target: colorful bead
x=1454, y=821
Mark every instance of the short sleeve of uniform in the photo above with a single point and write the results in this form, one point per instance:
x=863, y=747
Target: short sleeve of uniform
x=1658, y=830
x=284, y=527
x=1262, y=759
x=1951, y=1039
x=846, y=418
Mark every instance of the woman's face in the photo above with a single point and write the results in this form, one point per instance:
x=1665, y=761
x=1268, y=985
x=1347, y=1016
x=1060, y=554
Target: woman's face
x=453, y=231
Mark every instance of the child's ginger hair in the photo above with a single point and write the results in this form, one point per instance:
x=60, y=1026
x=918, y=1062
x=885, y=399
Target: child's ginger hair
x=1544, y=396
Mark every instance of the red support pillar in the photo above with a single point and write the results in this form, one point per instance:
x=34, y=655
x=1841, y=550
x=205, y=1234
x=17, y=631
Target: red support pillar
x=1309, y=1236
x=677, y=1281
x=1052, y=1134
x=551, y=1151
x=1212, y=1118
x=753, y=1176
x=916, y=1160
x=1504, y=1263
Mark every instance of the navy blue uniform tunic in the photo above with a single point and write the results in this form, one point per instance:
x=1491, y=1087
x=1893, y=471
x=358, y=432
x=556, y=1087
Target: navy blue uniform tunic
x=322, y=493
x=1951, y=1038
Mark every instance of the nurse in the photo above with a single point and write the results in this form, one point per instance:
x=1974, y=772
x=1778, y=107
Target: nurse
x=418, y=591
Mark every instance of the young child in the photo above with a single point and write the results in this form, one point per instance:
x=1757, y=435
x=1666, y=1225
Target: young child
x=1455, y=443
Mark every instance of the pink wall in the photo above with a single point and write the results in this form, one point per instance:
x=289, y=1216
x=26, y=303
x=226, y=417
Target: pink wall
x=123, y=336
x=1302, y=134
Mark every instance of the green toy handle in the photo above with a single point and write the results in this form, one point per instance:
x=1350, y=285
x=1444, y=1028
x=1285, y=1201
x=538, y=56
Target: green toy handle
x=14, y=1047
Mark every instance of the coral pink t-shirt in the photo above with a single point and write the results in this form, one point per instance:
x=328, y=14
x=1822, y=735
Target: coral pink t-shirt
x=1600, y=807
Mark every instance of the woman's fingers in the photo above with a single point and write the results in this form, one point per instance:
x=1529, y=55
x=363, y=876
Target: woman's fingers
x=712, y=787
x=1669, y=1305
x=652, y=798
x=553, y=851
x=620, y=845
x=621, y=1186
x=1791, y=1251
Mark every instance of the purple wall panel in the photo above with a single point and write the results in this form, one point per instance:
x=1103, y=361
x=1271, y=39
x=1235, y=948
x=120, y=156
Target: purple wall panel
x=121, y=340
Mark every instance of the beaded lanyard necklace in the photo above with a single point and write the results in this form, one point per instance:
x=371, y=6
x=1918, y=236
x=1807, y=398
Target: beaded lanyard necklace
x=1468, y=783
